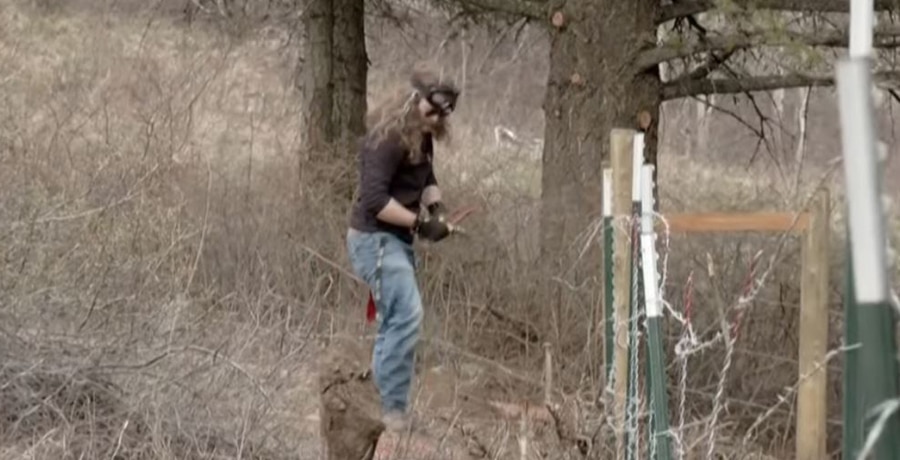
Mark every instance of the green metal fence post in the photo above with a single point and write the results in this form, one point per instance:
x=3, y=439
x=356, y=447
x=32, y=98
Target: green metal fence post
x=609, y=312
x=660, y=445
x=876, y=369
x=852, y=429
x=635, y=300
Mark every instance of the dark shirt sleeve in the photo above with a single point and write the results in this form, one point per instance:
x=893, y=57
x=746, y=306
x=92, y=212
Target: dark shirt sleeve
x=428, y=146
x=378, y=167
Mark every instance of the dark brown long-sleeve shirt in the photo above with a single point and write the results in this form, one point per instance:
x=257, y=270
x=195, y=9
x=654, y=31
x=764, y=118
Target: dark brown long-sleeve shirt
x=386, y=172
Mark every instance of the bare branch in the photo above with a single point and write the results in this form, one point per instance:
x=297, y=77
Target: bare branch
x=751, y=84
x=531, y=9
x=687, y=8
x=713, y=62
x=759, y=132
x=885, y=37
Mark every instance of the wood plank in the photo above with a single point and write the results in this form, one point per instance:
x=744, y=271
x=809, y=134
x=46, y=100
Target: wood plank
x=811, y=392
x=717, y=222
x=621, y=145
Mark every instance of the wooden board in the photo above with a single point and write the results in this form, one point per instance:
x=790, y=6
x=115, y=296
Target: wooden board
x=621, y=146
x=812, y=391
x=718, y=222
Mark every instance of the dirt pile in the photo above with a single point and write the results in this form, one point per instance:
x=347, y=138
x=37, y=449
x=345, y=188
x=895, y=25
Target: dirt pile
x=350, y=415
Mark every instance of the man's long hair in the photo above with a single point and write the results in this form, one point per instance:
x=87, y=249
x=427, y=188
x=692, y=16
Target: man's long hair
x=398, y=115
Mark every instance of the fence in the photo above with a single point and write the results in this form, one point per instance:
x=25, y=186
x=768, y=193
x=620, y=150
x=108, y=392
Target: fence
x=632, y=290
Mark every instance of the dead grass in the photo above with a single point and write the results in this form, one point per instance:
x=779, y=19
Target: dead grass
x=171, y=268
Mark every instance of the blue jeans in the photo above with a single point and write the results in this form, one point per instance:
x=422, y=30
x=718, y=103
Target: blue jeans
x=387, y=265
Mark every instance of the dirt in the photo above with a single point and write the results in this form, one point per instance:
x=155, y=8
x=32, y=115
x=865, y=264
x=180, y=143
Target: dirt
x=350, y=416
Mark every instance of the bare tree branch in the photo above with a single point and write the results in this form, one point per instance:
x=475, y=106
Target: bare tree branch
x=687, y=8
x=531, y=9
x=731, y=114
x=713, y=62
x=885, y=37
x=681, y=89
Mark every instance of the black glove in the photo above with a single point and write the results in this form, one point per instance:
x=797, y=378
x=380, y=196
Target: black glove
x=438, y=210
x=433, y=228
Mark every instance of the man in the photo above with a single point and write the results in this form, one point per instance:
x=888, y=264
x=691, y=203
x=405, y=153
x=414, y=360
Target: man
x=396, y=180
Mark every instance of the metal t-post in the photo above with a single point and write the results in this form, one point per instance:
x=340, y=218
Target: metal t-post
x=660, y=445
x=635, y=302
x=609, y=311
x=876, y=370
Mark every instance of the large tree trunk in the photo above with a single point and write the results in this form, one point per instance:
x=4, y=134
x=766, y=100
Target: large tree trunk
x=591, y=89
x=334, y=72
x=333, y=81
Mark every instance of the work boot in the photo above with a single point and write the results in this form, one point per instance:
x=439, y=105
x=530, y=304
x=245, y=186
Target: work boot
x=395, y=421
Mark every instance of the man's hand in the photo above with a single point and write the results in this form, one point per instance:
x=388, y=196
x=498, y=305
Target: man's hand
x=438, y=210
x=432, y=228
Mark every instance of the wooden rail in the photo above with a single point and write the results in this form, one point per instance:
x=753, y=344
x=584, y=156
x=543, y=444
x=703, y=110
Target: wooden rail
x=722, y=222
x=812, y=227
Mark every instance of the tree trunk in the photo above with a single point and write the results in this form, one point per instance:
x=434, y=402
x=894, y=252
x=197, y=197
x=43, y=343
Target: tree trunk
x=591, y=88
x=333, y=82
x=350, y=68
x=334, y=74
x=317, y=85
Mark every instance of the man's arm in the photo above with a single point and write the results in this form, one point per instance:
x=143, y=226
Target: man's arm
x=431, y=194
x=379, y=165
x=395, y=213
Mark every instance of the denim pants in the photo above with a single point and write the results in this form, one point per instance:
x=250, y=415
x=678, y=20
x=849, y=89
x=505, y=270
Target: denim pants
x=387, y=265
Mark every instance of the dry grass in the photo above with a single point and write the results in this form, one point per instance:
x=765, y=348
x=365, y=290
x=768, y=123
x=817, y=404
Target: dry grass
x=171, y=269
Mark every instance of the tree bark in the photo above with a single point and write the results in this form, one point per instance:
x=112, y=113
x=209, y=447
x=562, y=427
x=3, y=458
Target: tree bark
x=591, y=88
x=334, y=74
x=317, y=85
x=349, y=70
x=333, y=82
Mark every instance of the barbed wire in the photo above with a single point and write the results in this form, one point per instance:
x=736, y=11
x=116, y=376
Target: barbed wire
x=689, y=343
x=784, y=397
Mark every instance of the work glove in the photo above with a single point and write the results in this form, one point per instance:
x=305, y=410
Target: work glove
x=438, y=210
x=432, y=228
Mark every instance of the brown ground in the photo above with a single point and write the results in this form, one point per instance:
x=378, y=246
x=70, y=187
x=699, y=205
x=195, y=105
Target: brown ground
x=350, y=415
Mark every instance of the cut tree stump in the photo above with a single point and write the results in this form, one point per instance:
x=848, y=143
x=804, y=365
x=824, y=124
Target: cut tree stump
x=349, y=402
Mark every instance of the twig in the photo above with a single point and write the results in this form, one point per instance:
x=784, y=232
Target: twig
x=783, y=398
x=119, y=441
x=333, y=264
x=453, y=348
x=802, y=117
x=205, y=226
x=128, y=197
